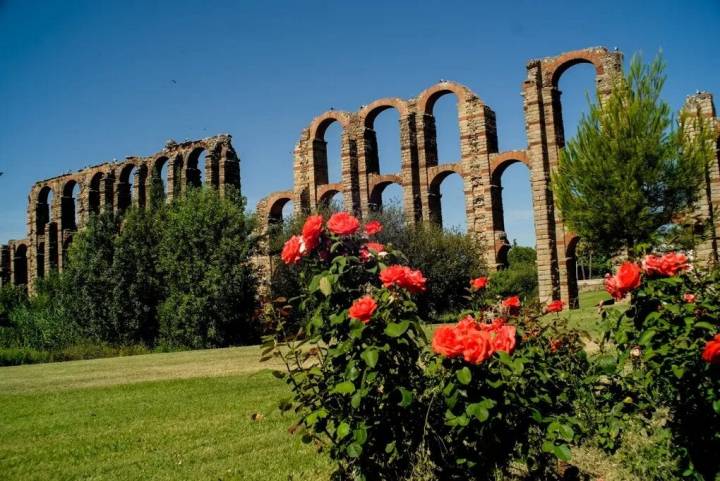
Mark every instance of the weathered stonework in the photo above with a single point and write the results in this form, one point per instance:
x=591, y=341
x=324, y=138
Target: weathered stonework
x=51, y=224
x=480, y=164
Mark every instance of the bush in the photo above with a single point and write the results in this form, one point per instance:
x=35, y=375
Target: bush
x=657, y=362
x=366, y=386
x=205, y=258
x=520, y=277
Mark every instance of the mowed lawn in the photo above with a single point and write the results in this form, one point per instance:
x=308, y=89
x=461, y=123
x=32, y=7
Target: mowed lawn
x=170, y=416
x=176, y=416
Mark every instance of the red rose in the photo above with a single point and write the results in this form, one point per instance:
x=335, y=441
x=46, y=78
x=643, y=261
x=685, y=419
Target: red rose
x=711, y=353
x=511, y=304
x=555, y=306
x=403, y=276
x=371, y=249
x=667, y=265
x=373, y=227
x=293, y=250
x=342, y=223
x=689, y=298
x=446, y=342
x=362, y=309
x=555, y=345
x=477, y=346
x=503, y=339
x=625, y=280
x=478, y=283
x=311, y=231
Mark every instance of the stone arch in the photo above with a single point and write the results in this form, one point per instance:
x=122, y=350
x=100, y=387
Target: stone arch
x=371, y=154
x=124, y=187
x=158, y=188
x=275, y=204
x=194, y=172
x=437, y=175
x=560, y=64
x=318, y=147
x=95, y=192
x=377, y=186
x=20, y=264
x=70, y=205
x=326, y=193
x=43, y=209
x=427, y=98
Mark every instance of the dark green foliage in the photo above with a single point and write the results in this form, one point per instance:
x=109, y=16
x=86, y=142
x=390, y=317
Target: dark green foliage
x=204, y=256
x=448, y=259
x=519, y=278
x=630, y=170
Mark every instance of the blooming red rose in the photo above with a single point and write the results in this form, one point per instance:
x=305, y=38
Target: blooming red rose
x=362, y=309
x=477, y=346
x=342, y=223
x=478, y=283
x=711, y=353
x=511, y=304
x=293, y=250
x=666, y=265
x=403, y=276
x=447, y=342
x=555, y=306
x=373, y=227
x=625, y=280
x=311, y=231
x=689, y=298
x=503, y=338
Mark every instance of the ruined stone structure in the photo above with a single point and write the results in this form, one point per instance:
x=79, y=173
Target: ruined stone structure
x=55, y=212
x=480, y=165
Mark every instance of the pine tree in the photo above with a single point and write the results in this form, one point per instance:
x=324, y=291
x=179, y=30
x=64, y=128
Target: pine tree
x=632, y=169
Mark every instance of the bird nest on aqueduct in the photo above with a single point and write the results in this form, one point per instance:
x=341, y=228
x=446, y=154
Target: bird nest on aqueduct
x=54, y=213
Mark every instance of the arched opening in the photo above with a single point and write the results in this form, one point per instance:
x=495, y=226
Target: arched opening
x=386, y=194
x=159, y=180
x=40, y=260
x=280, y=210
x=332, y=200
x=516, y=207
x=447, y=128
x=70, y=206
x=333, y=152
x=387, y=154
x=125, y=187
x=447, y=202
x=95, y=193
x=576, y=88
x=20, y=274
x=196, y=168
x=43, y=209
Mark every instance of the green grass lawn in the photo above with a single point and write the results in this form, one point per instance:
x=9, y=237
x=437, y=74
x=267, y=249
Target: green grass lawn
x=159, y=416
x=175, y=416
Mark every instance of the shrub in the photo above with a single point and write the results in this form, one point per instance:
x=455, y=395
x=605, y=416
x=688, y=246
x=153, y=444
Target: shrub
x=658, y=360
x=366, y=387
x=205, y=258
x=520, y=277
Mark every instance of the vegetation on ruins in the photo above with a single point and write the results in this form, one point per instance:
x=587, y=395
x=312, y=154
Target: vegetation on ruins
x=631, y=170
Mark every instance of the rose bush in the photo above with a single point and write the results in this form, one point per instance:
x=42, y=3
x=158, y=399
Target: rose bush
x=664, y=355
x=492, y=390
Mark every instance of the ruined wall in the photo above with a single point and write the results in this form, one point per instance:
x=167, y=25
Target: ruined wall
x=480, y=164
x=59, y=206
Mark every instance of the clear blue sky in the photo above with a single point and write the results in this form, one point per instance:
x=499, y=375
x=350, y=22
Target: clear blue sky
x=87, y=81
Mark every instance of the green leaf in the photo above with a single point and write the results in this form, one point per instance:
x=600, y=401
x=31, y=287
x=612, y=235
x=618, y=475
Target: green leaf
x=356, y=399
x=407, y=397
x=679, y=371
x=716, y=406
x=390, y=447
x=478, y=410
x=464, y=376
x=325, y=286
x=354, y=450
x=345, y=387
x=562, y=452
x=646, y=337
x=360, y=435
x=343, y=430
x=705, y=325
x=397, y=329
x=370, y=356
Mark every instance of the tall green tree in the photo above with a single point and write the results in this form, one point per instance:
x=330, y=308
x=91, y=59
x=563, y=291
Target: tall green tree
x=632, y=169
x=205, y=258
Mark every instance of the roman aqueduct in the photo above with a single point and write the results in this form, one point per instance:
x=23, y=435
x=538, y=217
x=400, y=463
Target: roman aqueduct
x=481, y=165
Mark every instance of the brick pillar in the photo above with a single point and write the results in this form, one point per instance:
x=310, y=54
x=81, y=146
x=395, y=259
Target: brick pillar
x=5, y=269
x=700, y=107
x=350, y=165
x=427, y=157
x=138, y=196
x=368, y=164
x=173, y=177
x=107, y=194
x=412, y=204
x=304, y=195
